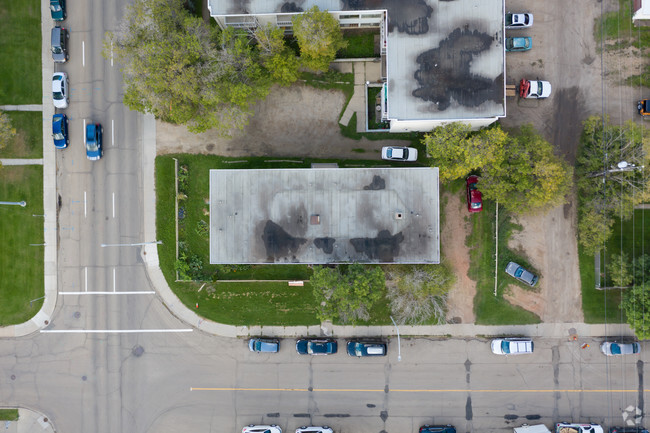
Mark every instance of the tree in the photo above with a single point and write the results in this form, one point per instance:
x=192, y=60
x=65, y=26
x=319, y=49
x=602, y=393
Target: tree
x=7, y=131
x=346, y=293
x=604, y=190
x=277, y=57
x=184, y=72
x=419, y=292
x=619, y=270
x=319, y=38
x=527, y=175
x=636, y=304
x=520, y=171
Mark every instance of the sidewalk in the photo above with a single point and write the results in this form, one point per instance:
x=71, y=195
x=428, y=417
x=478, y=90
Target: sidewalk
x=15, y=161
x=29, y=421
x=30, y=107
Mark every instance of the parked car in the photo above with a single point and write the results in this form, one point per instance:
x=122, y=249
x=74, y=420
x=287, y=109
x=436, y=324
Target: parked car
x=313, y=429
x=94, y=147
x=57, y=9
x=612, y=348
x=522, y=43
x=535, y=89
x=643, y=108
x=566, y=427
x=59, y=44
x=512, y=346
x=60, y=131
x=261, y=429
x=316, y=346
x=518, y=21
x=263, y=345
x=60, y=90
x=522, y=274
x=366, y=348
x=396, y=153
x=635, y=429
x=437, y=429
x=474, y=196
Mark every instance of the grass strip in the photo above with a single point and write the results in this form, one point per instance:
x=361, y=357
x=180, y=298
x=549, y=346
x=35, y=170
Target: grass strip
x=28, y=142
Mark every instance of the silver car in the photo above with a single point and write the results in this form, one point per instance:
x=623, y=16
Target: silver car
x=520, y=273
x=60, y=90
x=612, y=348
x=397, y=153
x=314, y=429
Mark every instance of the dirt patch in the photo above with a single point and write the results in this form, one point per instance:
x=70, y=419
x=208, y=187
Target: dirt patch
x=296, y=121
x=460, y=301
x=527, y=299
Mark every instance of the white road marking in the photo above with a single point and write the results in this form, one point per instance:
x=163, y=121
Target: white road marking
x=83, y=53
x=138, y=292
x=113, y=279
x=83, y=133
x=110, y=331
x=84, y=204
x=86, y=279
x=112, y=132
x=113, y=205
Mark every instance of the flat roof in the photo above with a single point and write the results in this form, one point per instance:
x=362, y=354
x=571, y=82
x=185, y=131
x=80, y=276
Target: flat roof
x=445, y=59
x=324, y=215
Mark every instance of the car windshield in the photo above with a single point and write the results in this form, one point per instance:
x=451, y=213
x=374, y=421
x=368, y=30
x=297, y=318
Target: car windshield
x=505, y=346
x=519, y=271
x=476, y=205
x=92, y=146
x=57, y=50
x=58, y=136
x=539, y=88
x=55, y=8
x=57, y=95
x=615, y=348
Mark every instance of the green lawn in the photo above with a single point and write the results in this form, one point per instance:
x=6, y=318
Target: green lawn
x=28, y=142
x=9, y=414
x=361, y=44
x=22, y=277
x=618, y=29
x=632, y=237
x=20, y=72
x=490, y=309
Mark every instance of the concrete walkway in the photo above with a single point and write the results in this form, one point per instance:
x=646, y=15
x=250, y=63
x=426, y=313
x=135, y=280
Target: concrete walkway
x=35, y=161
x=29, y=107
x=365, y=70
x=29, y=421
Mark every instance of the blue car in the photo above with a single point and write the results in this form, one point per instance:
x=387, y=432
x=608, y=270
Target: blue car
x=366, y=348
x=57, y=9
x=521, y=43
x=438, y=429
x=316, y=346
x=60, y=131
x=263, y=345
x=94, y=148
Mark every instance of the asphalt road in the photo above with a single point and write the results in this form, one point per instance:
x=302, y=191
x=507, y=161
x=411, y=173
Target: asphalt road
x=86, y=379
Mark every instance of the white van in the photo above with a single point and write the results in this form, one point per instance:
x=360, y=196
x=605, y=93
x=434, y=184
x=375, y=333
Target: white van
x=539, y=428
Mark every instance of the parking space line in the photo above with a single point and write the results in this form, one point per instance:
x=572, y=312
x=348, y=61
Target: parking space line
x=83, y=133
x=112, y=130
x=83, y=53
x=84, y=204
x=85, y=279
x=113, y=279
x=113, y=205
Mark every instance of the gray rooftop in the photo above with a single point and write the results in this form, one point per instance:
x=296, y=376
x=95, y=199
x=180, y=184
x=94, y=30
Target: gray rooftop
x=445, y=59
x=378, y=215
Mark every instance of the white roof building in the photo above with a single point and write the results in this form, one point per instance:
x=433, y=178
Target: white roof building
x=444, y=60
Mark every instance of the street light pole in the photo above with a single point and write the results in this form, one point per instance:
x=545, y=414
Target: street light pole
x=621, y=166
x=15, y=203
x=131, y=245
x=399, y=344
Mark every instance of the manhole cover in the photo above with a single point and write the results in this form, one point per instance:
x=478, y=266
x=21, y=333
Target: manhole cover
x=84, y=378
x=13, y=377
x=137, y=351
x=77, y=314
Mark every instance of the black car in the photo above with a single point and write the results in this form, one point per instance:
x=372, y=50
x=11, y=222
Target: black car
x=366, y=348
x=316, y=346
x=637, y=429
x=438, y=429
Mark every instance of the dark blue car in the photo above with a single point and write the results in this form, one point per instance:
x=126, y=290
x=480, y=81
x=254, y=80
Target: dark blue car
x=94, y=148
x=366, y=348
x=57, y=9
x=60, y=131
x=316, y=346
x=438, y=429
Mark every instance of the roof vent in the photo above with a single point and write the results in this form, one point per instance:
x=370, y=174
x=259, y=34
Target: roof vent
x=315, y=220
x=399, y=215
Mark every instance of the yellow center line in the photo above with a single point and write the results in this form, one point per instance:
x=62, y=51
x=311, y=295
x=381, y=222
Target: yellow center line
x=519, y=391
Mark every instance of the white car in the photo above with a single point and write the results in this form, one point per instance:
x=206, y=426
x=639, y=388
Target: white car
x=314, y=429
x=518, y=21
x=512, y=346
x=566, y=427
x=395, y=153
x=60, y=90
x=261, y=429
x=536, y=89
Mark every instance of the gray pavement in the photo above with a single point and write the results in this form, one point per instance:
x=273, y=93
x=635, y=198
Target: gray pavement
x=29, y=421
x=27, y=107
x=18, y=161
